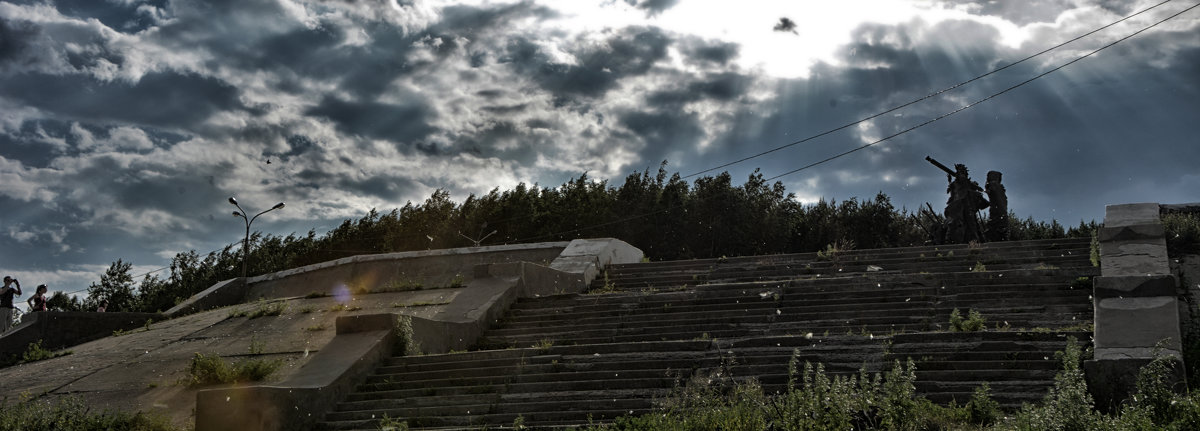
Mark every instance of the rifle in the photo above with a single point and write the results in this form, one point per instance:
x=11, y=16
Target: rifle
x=939, y=165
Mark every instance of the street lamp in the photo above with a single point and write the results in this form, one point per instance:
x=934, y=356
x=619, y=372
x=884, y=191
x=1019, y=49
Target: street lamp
x=246, y=241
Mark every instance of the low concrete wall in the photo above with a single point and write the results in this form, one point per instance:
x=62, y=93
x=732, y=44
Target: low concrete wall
x=429, y=268
x=61, y=329
x=497, y=277
x=223, y=293
x=362, y=342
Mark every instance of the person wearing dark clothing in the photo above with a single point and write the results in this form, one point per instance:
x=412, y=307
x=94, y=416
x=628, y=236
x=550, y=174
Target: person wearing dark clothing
x=6, y=302
x=37, y=302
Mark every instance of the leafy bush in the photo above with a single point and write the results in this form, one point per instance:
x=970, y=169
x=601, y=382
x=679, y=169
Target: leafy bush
x=212, y=369
x=71, y=414
x=1182, y=232
x=972, y=323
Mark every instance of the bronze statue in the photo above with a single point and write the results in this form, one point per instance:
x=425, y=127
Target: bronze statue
x=966, y=199
x=997, y=226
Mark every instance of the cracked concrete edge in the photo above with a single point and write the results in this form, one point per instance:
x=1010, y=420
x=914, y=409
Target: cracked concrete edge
x=362, y=343
x=588, y=257
x=234, y=291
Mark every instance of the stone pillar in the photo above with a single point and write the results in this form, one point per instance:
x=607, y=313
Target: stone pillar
x=1136, y=309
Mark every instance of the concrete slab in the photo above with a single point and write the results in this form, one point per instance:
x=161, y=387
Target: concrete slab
x=1131, y=214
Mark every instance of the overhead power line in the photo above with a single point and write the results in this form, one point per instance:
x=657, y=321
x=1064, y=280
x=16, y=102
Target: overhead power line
x=1089, y=54
x=977, y=102
x=928, y=96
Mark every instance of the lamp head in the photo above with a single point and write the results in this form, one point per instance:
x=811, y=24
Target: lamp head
x=237, y=214
x=277, y=206
x=232, y=200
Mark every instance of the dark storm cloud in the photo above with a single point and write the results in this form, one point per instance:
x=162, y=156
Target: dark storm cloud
x=472, y=20
x=722, y=87
x=653, y=7
x=715, y=53
x=117, y=15
x=631, y=51
x=660, y=129
x=161, y=99
x=406, y=123
x=388, y=188
x=14, y=39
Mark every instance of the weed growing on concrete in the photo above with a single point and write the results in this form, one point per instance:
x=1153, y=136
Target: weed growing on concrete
x=315, y=328
x=314, y=295
x=979, y=267
x=457, y=281
x=982, y=410
x=816, y=400
x=544, y=345
x=406, y=344
x=264, y=308
x=392, y=424
x=1094, y=250
x=344, y=307
x=1042, y=266
x=307, y=309
x=72, y=414
x=212, y=369
x=34, y=352
x=972, y=323
x=417, y=304
x=396, y=286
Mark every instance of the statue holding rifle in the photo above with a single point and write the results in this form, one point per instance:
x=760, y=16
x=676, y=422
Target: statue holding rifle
x=962, y=209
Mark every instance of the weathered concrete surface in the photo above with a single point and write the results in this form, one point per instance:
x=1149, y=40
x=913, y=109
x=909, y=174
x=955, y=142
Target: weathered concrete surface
x=589, y=256
x=145, y=370
x=1135, y=300
x=362, y=341
x=62, y=329
x=223, y=293
x=372, y=272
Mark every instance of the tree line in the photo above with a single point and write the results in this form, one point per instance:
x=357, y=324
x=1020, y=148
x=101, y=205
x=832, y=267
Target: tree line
x=663, y=215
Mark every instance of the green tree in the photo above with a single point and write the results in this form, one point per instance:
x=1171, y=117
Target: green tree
x=116, y=286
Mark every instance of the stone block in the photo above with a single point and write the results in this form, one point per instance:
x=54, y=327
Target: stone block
x=1133, y=286
x=1134, y=257
x=1135, y=323
x=1131, y=214
x=1131, y=233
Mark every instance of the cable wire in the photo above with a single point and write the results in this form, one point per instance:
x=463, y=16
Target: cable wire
x=926, y=97
x=970, y=105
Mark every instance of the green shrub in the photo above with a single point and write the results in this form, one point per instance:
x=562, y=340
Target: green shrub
x=972, y=323
x=71, y=414
x=34, y=352
x=1068, y=406
x=212, y=369
x=406, y=344
x=1182, y=232
x=982, y=409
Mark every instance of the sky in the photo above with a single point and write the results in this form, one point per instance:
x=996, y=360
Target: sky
x=126, y=124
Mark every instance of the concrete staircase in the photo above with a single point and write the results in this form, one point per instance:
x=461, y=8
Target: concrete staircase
x=646, y=328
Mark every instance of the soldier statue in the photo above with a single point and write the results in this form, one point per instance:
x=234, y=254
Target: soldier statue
x=997, y=226
x=966, y=199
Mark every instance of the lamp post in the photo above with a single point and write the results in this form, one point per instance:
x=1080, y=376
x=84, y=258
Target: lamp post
x=246, y=241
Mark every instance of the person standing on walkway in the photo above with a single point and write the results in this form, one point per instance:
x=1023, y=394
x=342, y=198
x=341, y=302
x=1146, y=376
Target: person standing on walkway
x=37, y=302
x=6, y=302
